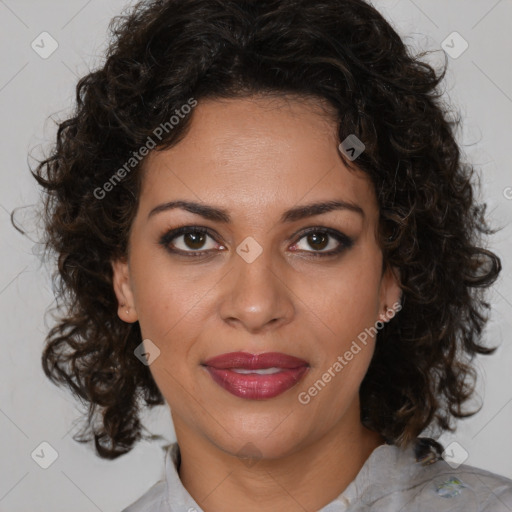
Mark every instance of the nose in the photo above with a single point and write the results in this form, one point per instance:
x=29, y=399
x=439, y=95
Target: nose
x=255, y=296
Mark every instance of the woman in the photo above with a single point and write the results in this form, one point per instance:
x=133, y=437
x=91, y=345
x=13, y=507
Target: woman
x=261, y=219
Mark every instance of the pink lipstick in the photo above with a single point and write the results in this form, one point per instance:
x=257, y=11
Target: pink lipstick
x=256, y=376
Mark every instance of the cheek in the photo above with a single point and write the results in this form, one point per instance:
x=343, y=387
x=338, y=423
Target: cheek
x=171, y=307
x=349, y=302
x=166, y=300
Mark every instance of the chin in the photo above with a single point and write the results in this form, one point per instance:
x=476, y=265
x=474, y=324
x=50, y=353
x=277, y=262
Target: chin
x=258, y=444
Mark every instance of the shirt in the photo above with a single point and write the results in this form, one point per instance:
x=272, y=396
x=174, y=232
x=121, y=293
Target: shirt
x=392, y=479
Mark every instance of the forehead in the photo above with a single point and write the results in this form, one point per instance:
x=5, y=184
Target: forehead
x=254, y=155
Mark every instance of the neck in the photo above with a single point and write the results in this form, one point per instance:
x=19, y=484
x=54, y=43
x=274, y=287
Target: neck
x=307, y=479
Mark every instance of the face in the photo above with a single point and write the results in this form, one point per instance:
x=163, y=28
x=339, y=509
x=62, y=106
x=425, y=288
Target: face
x=262, y=275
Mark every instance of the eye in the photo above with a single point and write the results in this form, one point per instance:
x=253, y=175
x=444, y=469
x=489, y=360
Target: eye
x=193, y=241
x=323, y=241
x=188, y=239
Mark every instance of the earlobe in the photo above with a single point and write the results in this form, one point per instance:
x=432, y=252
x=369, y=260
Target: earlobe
x=122, y=288
x=391, y=294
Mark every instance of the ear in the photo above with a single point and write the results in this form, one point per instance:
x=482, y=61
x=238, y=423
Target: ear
x=390, y=294
x=123, y=290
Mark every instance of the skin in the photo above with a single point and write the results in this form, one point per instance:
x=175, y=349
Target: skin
x=257, y=157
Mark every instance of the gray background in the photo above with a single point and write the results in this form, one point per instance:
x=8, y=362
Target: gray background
x=33, y=91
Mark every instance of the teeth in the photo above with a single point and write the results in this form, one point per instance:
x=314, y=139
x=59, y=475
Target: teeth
x=265, y=371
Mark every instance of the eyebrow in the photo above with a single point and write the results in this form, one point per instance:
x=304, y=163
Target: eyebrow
x=220, y=215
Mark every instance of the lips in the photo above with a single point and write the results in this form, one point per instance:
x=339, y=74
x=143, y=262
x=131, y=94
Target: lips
x=256, y=376
x=255, y=361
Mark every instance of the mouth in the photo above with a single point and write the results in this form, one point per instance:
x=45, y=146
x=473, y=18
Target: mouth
x=256, y=377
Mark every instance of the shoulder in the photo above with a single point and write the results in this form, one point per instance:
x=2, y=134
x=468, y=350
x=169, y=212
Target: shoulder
x=168, y=494
x=154, y=499
x=439, y=485
x=472, y=488
x=417, y=477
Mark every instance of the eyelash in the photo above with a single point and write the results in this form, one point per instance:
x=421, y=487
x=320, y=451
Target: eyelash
x=345, y=241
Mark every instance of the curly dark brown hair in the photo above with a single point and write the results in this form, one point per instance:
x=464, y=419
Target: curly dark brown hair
x=164, y=52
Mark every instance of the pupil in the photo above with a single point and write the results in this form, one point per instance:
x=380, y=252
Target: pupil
x=317, y=239
x=197, y=240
